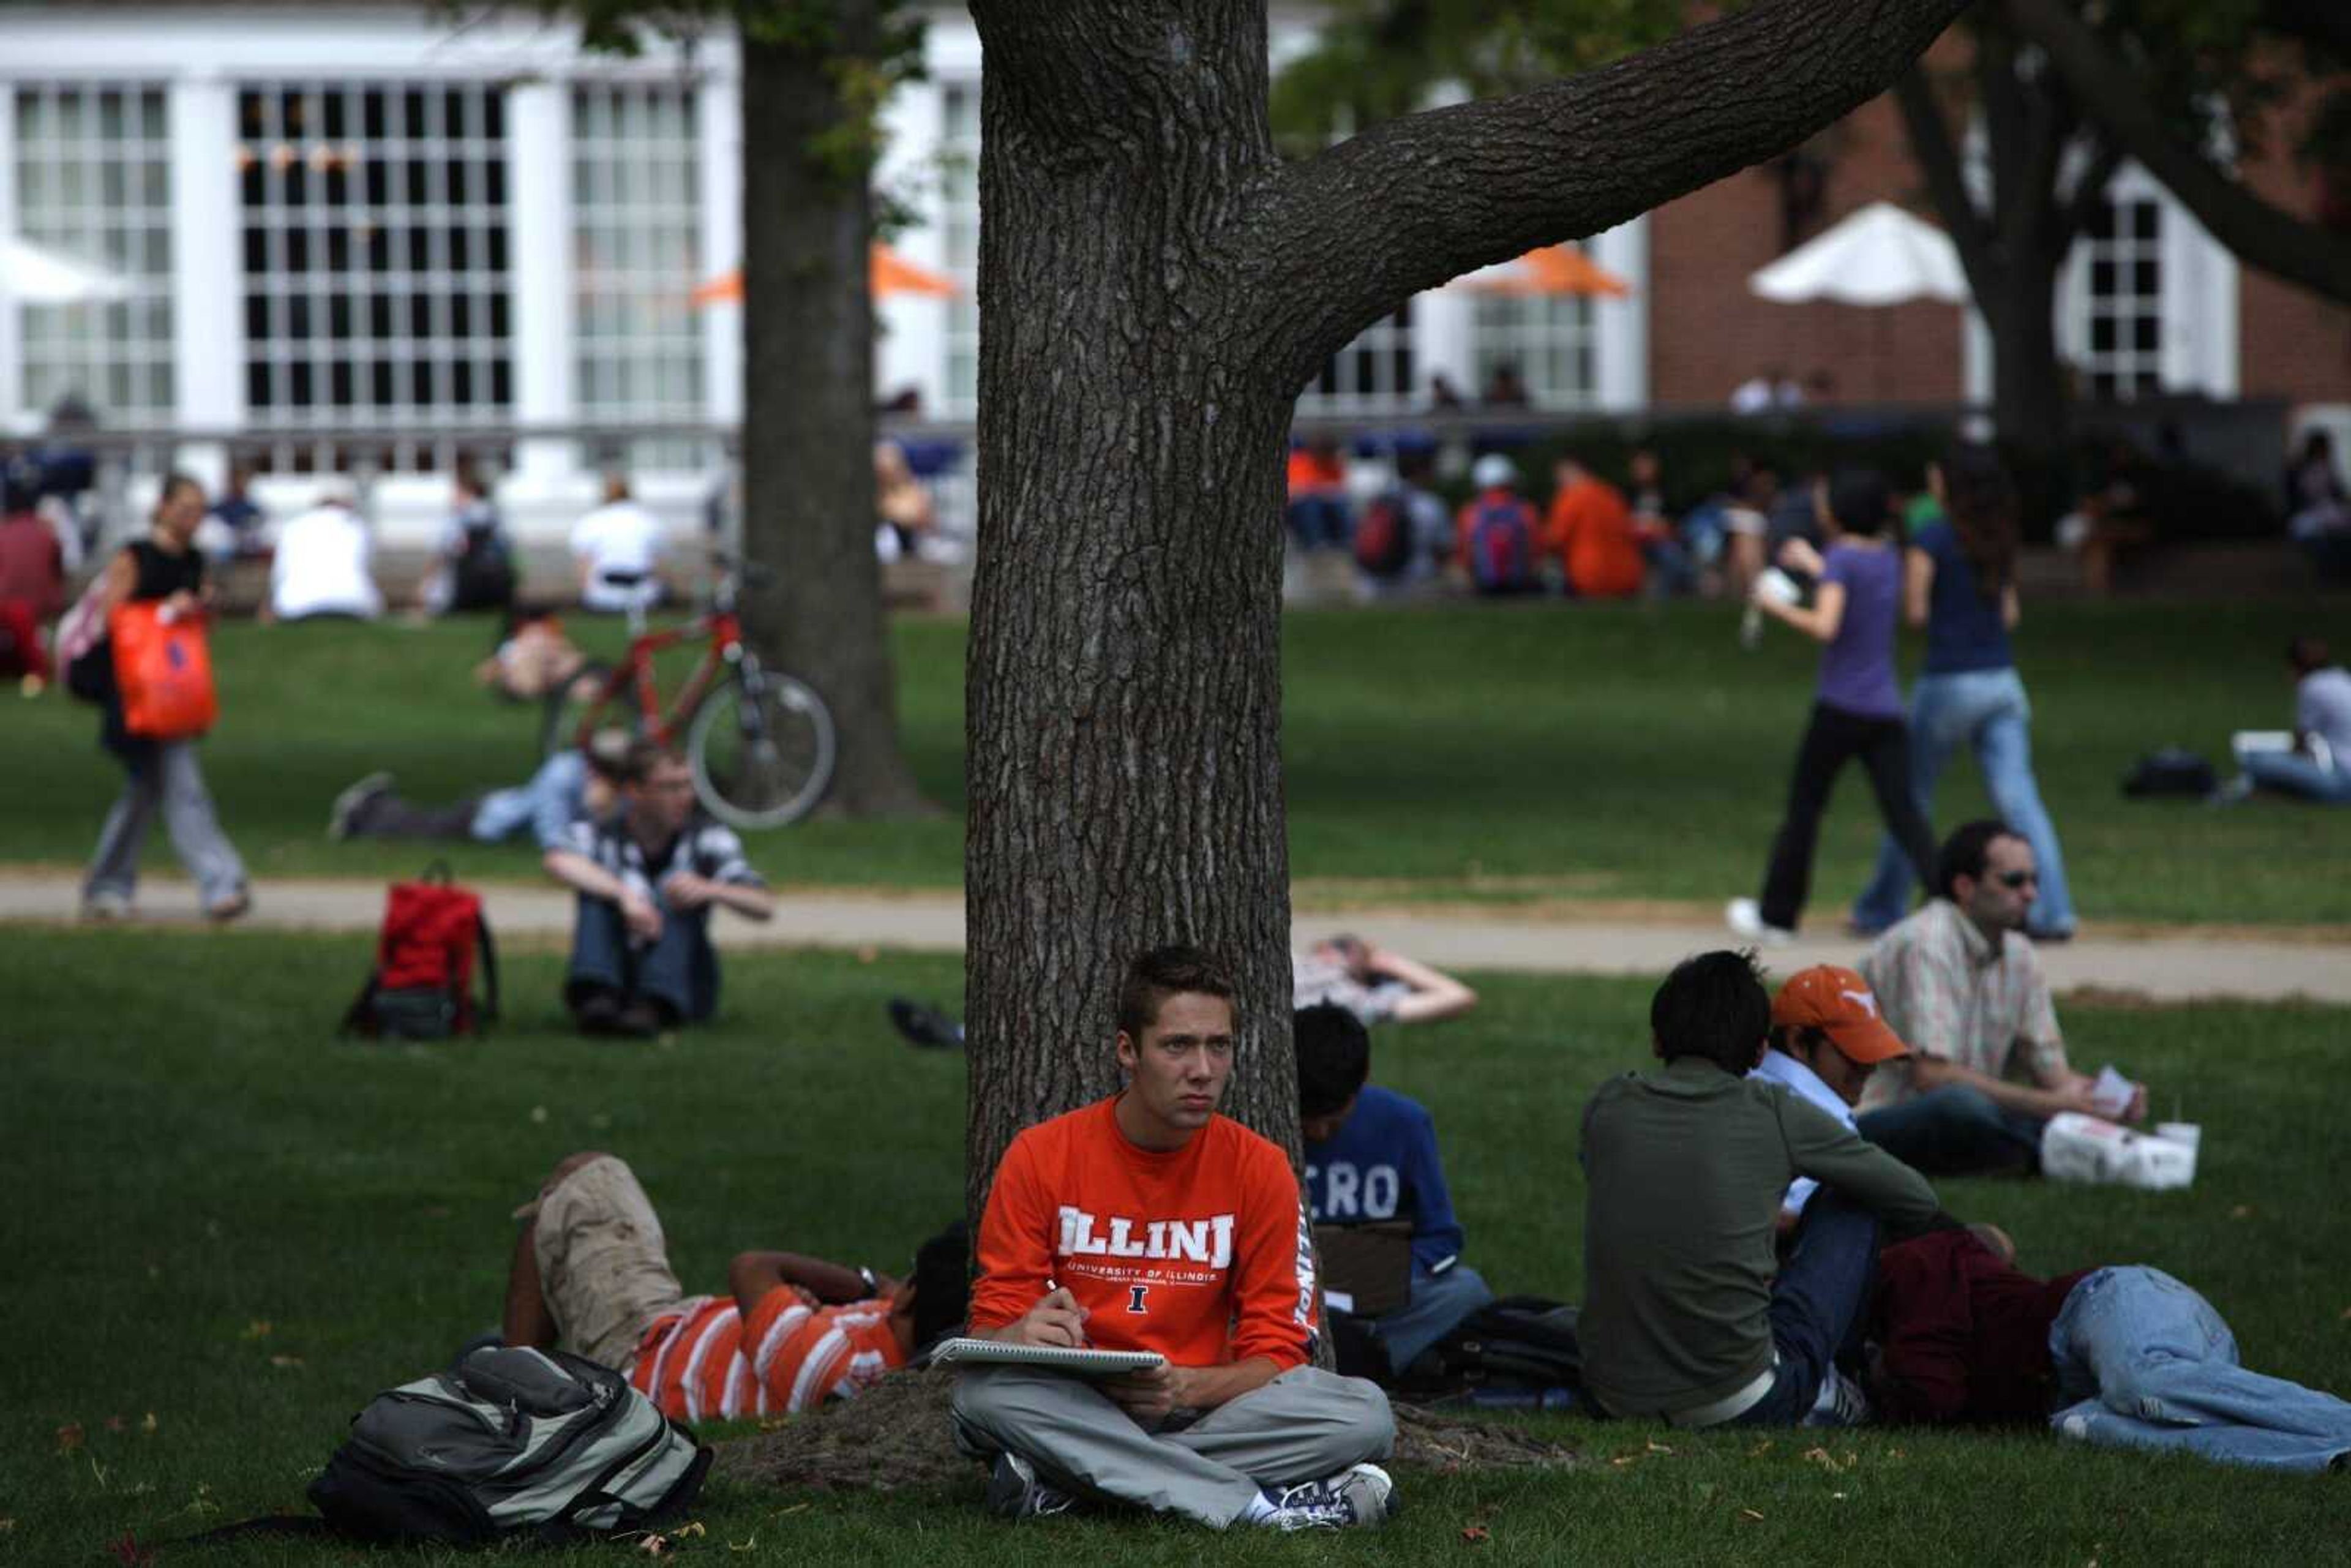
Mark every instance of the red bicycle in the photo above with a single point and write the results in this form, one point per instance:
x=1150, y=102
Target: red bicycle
x=760, y=742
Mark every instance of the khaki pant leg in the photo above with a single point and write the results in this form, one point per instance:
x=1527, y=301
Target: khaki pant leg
x=603, y=1264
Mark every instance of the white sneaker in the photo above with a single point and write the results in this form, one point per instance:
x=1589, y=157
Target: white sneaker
x=1745, y=916
x=343, y=817
x=106, y=906
x=1357, y=1496
x=1842, y=1403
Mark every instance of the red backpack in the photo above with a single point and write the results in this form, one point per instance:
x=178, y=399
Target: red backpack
x=423, y=988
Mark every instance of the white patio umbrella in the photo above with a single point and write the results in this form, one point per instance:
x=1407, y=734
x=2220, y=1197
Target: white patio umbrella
x=1880, y=256
x=36, y=275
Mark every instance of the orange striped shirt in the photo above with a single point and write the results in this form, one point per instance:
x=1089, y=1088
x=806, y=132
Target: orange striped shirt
x=703, y=1364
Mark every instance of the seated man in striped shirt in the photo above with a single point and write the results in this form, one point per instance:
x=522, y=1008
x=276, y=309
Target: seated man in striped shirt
x=591, y=1276
x=648, y=874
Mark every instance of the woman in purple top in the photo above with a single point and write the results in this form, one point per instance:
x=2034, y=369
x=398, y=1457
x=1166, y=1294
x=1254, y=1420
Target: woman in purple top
x=1959, y=583
x=1857, y=709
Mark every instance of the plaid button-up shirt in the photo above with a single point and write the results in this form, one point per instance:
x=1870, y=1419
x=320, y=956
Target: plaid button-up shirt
x=1949, y=992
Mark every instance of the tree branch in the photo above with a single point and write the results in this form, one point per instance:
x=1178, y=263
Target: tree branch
x=1424, y=198
x=1946, y=186
x=2106, y=158
x=2262, y=235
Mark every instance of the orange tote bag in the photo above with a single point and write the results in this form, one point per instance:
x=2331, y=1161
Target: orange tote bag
x=165, y=671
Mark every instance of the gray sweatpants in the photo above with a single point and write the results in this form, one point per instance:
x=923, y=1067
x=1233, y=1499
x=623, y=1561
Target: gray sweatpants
x=170, y=781
x=1304, y=1425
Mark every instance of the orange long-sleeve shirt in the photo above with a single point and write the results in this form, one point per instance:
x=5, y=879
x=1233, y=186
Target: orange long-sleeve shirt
x=1591, y=529
x=1200, y=1253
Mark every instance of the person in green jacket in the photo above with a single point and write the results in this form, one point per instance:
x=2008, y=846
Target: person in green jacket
x=1688, y=1317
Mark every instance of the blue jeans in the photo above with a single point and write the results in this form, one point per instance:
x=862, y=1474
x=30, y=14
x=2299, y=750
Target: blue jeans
x=1957, y=1130
x=1986, y=710
x=2292, y=773
x=2144, y=1362
x=1817, y=1303
x=551, y=802
x=681, y=970
x=1437, y=1305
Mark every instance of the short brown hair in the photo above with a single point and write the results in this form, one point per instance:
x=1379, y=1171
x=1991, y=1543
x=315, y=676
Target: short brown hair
x=1162, y=972
x=645, y=754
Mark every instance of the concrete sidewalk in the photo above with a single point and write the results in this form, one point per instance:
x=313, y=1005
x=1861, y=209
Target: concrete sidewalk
x=2160, y=968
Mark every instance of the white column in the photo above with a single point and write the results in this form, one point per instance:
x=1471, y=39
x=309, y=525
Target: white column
x=721, y=154
x=1620, y=327
x=207, y=266
x=538, y=182
x=12, y=417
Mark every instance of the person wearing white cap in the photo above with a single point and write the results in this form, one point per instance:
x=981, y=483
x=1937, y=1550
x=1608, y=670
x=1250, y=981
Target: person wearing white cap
x=1495, y=532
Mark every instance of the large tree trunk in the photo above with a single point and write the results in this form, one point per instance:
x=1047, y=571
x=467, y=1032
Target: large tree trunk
x=1156, y=289
x=808, y=415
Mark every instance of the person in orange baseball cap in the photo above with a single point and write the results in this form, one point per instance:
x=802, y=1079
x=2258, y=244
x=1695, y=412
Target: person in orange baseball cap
x=1826, y=1039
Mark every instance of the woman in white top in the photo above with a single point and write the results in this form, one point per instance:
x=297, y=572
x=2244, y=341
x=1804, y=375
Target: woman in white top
x=618, y=548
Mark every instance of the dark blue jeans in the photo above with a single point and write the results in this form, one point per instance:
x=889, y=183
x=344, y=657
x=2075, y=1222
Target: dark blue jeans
x=1816, y=1306
x=681, y=970
x=1957, y=1130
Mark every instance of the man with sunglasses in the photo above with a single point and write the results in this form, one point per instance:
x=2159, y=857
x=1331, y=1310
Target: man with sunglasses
x=1960, y=982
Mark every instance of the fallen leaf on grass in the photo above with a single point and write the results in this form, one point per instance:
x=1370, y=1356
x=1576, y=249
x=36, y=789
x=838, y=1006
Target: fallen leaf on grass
x=1475, y=1535
x=1657, y=1448
x=1759, y=1449
x=1750, y=1514
x=259, y=1328
x=787, y=1512
x=1836, y=1497
x=2242, y=1211
x=285, y=1361
x=148, y=1424
x=1828, y=1461
x=6, y=1525
x=687, y=1531
x=69, y=1436
x=750, y=1545
x=538, y=1113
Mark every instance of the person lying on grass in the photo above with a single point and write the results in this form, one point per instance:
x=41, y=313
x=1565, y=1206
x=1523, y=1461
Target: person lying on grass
x=1377, y=984
x=1689, y=1315
x=2124, y=1356
x=591, y=1276
x=1147, y=1222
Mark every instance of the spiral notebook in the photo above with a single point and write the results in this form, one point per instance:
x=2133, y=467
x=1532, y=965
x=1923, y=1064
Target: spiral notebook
x=1083, y=1363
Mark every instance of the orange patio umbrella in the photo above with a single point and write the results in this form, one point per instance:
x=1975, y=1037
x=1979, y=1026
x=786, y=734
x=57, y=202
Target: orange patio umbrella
x=887, y=273
x=1559, y=269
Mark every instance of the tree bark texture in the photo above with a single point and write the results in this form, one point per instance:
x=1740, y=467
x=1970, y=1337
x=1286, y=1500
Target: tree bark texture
x=1156, y=288
x=807, y=415
x=2013, y=249
x=2258, y=233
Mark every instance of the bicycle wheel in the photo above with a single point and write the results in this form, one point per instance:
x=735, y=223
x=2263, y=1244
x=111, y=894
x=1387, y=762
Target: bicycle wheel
x=761, y=760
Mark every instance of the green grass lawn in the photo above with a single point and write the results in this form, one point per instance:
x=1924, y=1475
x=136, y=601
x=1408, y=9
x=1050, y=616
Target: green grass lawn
x=221, y=1217
x=1529, y=752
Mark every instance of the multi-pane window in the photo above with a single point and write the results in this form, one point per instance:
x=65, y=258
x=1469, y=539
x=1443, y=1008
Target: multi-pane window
x=376, y=272
x=93, y=179
x=637, y=215
x=2122, y=255
x=959, y=236
x=1372, y=374
x=1547, y=340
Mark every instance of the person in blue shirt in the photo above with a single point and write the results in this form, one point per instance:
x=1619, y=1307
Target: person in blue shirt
x=574, y=783
x=1371, y=1154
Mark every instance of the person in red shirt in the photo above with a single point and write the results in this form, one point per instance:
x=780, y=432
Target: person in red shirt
x=2124, y=1356
x=1591, y=529
x=32, y=575
x=591, y=1275
x=1148, y=1222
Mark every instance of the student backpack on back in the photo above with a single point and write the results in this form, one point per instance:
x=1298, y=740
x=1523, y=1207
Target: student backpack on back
x=423, y=986
x=1383, y=536
x=1501, y=546
x=483, y=576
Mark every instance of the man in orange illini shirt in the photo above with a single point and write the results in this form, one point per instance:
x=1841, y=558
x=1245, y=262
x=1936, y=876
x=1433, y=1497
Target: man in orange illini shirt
x=1146, y=1221
x=1592, y=531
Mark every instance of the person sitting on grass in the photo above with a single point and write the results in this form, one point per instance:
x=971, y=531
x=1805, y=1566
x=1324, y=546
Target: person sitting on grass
x=1961, y=982
x=2125, y=1357
x=1689, y=1316
x=2316, y=766
x=648, y=875
x=591, y=1275
x=1371, y=1154
x=575, y=782
x=1147, y=1222
x=1375, y=984
x=1826, y=1040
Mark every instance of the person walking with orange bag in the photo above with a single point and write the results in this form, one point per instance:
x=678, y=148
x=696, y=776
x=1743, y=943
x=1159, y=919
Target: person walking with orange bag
x=162, y=771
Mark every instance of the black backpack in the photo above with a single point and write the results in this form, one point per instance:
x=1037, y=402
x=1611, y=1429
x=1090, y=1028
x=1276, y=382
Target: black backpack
x=1520, y=1343
x=483, y=577
x=508, y=1444
x=2169, y=770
